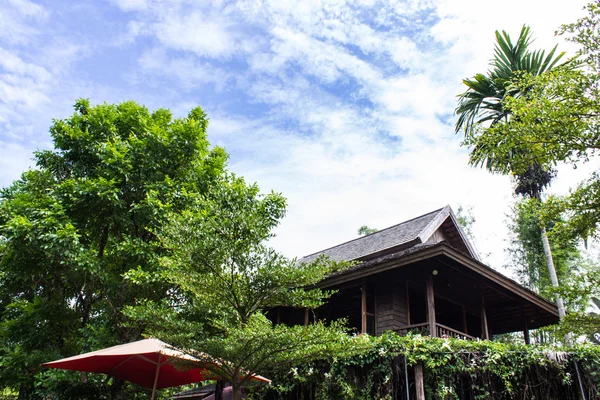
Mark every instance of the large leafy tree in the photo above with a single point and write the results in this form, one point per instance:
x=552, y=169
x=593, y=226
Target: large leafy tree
x=481, y=107
x=71, y=228
x=227, y=282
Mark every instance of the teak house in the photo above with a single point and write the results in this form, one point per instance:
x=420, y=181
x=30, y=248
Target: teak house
x=423, y=275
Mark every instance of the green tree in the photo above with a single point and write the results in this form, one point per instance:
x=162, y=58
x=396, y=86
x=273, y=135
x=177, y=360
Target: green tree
x=559, y=121
x=466, y=220
x=227, y=282
x=365, y=230
x=582, y=290
x=526, y=252
x=74, y=226
x=481, y=107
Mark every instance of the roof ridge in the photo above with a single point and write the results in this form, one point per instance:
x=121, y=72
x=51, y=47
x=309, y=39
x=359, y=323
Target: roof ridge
x=374, y=233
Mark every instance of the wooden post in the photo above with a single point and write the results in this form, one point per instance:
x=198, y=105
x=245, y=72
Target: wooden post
x=485, y=334
x=525, y=325
x=407, y=305
x=419, y=385
x=364, y=307
x=464, y=320
x=156, y=374
x=306, y=315
x=431, y=306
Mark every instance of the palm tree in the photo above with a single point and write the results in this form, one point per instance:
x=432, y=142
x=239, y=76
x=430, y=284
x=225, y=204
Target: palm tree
x=482, y=102
x=481, y=106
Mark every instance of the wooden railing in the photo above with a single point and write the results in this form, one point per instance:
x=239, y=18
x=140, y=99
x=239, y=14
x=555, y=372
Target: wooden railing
x=422, y=329
x=442, y=331
x=446, y=331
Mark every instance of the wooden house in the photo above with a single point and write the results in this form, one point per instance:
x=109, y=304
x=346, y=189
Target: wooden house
x=423, y=275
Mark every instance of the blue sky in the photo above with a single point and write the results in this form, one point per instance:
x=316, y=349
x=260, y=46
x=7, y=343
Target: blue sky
x=346, y=107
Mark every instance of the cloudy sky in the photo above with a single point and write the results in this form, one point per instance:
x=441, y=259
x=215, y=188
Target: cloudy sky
x=346, y=107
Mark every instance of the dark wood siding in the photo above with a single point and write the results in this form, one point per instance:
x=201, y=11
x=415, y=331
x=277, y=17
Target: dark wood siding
x=390, y=304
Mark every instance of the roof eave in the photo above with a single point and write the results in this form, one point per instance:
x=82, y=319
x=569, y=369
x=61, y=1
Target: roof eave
x=444, y=249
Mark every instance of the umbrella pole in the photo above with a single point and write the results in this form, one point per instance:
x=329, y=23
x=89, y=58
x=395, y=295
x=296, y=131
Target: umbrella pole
x=155, y=381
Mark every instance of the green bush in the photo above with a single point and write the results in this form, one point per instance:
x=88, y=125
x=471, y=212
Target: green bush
x=453, y=369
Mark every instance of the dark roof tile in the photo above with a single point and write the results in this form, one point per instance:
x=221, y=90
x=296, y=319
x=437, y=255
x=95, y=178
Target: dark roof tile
x=390, y=238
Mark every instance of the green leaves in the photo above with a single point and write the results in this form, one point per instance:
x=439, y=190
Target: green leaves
x=482, y=109
x=226, y=280
x=374, y=368
x=72, y=229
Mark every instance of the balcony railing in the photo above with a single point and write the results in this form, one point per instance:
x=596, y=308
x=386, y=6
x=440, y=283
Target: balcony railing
x=442, y=331
x=446, y=331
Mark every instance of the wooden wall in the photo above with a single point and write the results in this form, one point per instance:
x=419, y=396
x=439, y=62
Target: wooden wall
x=390, y=304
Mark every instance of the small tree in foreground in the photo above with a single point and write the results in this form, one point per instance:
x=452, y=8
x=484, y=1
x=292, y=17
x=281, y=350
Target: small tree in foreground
x=227, y=280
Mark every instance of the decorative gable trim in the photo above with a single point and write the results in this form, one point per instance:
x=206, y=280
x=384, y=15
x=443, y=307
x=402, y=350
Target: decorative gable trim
x=437, y=222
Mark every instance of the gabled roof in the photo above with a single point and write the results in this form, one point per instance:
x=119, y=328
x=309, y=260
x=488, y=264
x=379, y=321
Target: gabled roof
x=401, y=236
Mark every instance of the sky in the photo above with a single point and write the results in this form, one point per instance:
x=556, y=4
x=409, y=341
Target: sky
x=346, y=107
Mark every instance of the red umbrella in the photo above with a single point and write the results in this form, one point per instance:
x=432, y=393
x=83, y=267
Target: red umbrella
x=148, y=363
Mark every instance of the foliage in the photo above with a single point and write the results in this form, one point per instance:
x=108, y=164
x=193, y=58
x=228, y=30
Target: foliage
x=583, y=289
x=452, y=368
x=526, y=252
x=71, y=228
x=558, y=121
x=481, y=103
x=226, y=279
x=466, y=220
x=482, y=107
x=365, y=230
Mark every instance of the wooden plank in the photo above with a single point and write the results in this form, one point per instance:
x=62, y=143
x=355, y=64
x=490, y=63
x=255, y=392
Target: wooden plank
x=407, y=305
x=376, y=269
x=364, y=307
x=525, y=327
x=485, y=333
x=430, y=305
x=419, y=384
x=512, y=287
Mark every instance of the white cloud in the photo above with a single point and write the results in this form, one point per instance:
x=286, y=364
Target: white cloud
x=29, y=8
x=204, y=35
x=132, y=5
x=18, y=19
x=189, y=72
x=357, y=98
x=14, y=159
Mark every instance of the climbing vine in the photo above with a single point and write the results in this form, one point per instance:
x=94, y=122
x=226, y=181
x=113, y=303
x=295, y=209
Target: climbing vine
x=382, y=368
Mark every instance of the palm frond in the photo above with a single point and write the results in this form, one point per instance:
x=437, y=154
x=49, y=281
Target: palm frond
x=482, y=103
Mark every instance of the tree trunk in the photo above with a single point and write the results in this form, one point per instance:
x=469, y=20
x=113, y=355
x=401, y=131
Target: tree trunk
x=235, y=392
x=219, y=389
x=235, y=387
x=552, y=272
